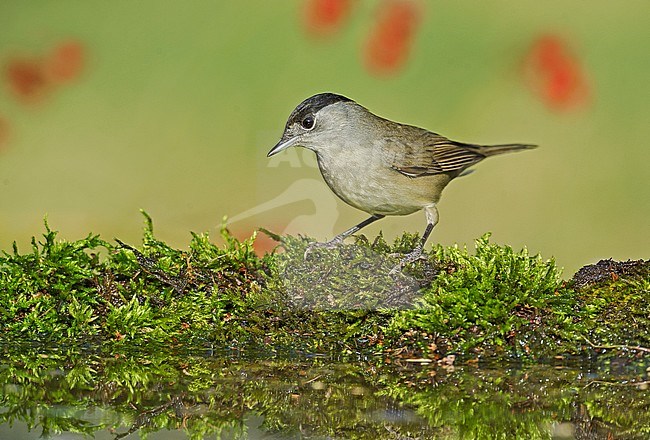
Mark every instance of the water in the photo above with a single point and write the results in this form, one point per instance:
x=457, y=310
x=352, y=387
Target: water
x=68, y=394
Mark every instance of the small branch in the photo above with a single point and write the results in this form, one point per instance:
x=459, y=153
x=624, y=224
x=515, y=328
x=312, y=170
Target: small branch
x=144, y=419
x=148, y=264
x=314, y=379
x=618, y=384
x=619, y=347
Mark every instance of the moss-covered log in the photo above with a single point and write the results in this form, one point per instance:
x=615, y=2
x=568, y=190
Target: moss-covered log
x=493, y=301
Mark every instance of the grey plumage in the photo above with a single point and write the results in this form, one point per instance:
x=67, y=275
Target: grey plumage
x=377, y=165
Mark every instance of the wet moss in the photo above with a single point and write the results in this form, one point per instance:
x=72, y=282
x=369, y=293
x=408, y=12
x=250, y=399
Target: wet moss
x=614, y=300
x=491, y=301
x=209, y=394
x=92, y=290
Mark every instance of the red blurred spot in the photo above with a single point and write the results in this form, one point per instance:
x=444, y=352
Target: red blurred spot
x=65, y=62
x=555, y=73
x=324, y=17
x=26, y=78
x=390, y=40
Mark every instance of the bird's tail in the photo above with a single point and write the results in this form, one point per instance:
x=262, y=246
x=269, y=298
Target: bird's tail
x=493, y=150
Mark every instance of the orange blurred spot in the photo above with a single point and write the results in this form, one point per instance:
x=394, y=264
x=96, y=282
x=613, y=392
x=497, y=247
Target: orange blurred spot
x=65, y=62
x=262, y=244
x=390, y=40
x=26, y=79
x=554, y=73
x=324, y=17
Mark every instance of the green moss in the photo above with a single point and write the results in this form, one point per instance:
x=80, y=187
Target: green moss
x=616, y=310
x=65, y=390
x=491, y=302
x=131, y=327
x=93, y=290
x=346, y=278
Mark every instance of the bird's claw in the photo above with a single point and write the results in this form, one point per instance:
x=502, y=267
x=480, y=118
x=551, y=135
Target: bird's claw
x=332, y=244
x=412, y=256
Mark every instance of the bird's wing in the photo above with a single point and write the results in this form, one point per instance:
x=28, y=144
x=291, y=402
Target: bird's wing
x=429, y=154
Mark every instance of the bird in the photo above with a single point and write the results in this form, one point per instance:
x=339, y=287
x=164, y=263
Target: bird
x=379, y=166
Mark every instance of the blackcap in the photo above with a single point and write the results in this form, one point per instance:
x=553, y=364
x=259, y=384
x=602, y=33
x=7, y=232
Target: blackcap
x=377, y=165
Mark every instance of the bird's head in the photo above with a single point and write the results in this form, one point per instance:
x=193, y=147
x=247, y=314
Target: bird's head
x=317, y=122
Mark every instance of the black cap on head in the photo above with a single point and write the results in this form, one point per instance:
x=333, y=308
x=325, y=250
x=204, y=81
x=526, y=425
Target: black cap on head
x=313, y=105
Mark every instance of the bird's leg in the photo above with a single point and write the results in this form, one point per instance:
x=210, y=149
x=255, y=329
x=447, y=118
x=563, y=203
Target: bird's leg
x=431, y=213
x=338, y=240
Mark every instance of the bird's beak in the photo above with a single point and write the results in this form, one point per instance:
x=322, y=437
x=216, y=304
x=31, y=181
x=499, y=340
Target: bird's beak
x=282, y=145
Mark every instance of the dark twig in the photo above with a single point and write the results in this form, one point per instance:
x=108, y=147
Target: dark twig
x=148, y=264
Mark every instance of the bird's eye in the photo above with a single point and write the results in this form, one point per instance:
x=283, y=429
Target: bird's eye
x=308, y=122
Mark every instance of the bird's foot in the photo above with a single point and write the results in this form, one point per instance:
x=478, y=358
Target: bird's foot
x=412, y=256
x=332, y=244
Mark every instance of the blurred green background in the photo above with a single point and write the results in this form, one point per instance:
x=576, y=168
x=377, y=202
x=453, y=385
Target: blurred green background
x=172, y=106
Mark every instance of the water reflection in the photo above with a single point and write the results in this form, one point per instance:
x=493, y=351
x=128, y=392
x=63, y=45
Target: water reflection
x=162, y=395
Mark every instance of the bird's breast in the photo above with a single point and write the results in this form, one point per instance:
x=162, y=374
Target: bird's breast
x=368, y=184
